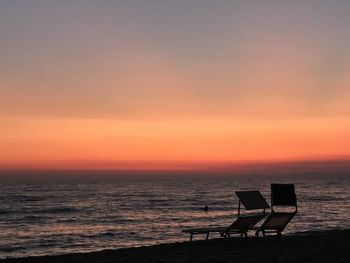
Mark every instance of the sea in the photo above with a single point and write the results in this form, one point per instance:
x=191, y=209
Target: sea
x=50, y=217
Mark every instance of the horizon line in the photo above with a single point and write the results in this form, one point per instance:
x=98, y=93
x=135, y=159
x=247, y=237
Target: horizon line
x=168, y=165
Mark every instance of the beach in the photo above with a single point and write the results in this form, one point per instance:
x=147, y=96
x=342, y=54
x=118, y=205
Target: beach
x=318, y=246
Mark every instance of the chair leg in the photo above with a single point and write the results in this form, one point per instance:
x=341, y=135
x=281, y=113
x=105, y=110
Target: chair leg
x=207, y=236
x=245, y=234
x=191, y=237
x=279, y=234
x=257, y=232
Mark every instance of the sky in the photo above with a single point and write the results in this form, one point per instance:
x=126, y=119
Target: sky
x=135, y=84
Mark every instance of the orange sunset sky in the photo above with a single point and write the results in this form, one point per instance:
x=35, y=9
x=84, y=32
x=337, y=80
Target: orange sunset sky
x=132, y=84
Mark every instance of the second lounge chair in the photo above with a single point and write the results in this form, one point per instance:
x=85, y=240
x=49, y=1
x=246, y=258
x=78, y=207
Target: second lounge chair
x=282, y=195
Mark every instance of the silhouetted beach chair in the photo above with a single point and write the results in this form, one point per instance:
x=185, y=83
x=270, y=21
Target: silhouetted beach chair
x=283, y=196
x=251, y=200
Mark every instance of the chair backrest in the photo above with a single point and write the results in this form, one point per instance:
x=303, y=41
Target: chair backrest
x=283, y=195
x=252, y=200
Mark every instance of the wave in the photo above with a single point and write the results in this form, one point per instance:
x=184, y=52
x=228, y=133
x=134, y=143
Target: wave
x=326, y=198
x=53, y=210
x=5, y=211
x=25, y=198
x=9, y=249
x=104, y=234
x=35, y=218
x=57, y=210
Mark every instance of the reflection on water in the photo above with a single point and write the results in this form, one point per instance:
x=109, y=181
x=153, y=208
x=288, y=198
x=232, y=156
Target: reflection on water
x=55, y=218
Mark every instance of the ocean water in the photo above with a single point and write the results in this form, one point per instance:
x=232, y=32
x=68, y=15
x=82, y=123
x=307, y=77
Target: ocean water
x=56, y=217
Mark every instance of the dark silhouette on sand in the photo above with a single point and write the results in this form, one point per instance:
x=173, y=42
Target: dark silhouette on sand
x=282, y=195
x=251, y=200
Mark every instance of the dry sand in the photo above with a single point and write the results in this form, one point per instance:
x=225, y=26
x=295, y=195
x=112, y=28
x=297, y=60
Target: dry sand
x=326, y=246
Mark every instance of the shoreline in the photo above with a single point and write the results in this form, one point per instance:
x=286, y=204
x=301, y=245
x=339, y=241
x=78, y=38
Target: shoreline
x=316, y=246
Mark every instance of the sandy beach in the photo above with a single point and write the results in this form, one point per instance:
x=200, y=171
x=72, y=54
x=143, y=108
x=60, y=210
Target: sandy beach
x=324, y=246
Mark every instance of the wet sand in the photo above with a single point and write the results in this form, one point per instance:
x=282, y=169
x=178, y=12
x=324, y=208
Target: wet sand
x=324, y=246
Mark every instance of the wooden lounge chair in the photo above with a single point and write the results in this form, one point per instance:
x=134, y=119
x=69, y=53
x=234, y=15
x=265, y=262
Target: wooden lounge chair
x=282, y=196
x=251, y=200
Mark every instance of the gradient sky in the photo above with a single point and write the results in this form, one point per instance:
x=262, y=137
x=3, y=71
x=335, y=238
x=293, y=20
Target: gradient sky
x=105, y=84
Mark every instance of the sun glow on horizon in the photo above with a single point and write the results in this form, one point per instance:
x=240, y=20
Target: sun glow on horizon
x=112, y=143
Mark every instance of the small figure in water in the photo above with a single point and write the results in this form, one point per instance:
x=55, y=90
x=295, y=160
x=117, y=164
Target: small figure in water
x=206, y=208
